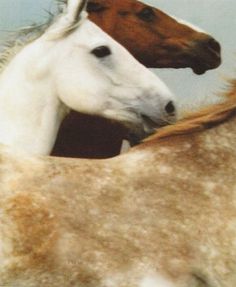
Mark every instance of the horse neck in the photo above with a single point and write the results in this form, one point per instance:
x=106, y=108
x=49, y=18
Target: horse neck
x=30, y=112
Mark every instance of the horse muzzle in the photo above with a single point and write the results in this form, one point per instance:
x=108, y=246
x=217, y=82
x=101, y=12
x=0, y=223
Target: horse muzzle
x=200, y=55
x=207, y=55
x=150, y=121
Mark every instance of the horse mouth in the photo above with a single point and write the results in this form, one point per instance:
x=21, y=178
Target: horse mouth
x=201, y=65
x=206, y=57
x=149, y=127
x=199, y=56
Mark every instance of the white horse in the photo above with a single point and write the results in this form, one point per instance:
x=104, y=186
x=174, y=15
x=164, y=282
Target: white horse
x=73, y=64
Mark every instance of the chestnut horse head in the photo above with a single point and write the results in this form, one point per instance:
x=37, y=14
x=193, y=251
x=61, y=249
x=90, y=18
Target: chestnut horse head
x=154, y=38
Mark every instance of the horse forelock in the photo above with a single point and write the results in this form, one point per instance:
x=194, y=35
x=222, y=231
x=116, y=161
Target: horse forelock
x=203, y=119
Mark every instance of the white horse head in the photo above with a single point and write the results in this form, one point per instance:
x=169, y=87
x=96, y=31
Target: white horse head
x=75, y=65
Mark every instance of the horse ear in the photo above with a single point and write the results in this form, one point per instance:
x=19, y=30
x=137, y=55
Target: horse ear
x=71, y=14
x=75, y=8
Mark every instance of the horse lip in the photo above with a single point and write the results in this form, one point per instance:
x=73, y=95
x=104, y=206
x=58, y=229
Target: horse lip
x=135, y=133
x=206, y=60
x=150, y=122
x=150, y=126
x=200, y=65
x=135, y=136
x=199, y=70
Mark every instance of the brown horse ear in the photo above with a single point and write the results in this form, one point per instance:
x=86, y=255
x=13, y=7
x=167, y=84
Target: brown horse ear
x=94, y=6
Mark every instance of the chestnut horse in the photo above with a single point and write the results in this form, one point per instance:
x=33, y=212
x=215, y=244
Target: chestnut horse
x=155, y=39
x=162, y=215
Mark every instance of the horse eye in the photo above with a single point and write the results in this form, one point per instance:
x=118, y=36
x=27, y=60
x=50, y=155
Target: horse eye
x=147, y=14
x=95, y=7
x=101, y=52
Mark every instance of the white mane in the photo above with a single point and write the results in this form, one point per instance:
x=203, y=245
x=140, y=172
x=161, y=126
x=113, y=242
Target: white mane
x=20, y=38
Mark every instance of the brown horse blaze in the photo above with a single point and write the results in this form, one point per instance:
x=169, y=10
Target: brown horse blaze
x=156, y=40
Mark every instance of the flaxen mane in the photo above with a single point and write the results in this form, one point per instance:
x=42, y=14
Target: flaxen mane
x=204, y=119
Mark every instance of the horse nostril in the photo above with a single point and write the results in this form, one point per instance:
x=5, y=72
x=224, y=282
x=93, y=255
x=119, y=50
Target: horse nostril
x=170, y=108
x=214, y=45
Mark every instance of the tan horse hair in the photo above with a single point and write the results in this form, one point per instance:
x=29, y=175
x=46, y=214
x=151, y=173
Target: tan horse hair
x=203, y=119
x=114, y=223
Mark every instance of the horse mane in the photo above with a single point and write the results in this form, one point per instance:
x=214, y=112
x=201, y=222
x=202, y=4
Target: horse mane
x=24, y=36
x=20, y=39
x=203, y=119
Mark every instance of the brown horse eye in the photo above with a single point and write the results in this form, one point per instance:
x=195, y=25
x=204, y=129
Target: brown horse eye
x=146, y=14
x=101, y=52
x=95, y=7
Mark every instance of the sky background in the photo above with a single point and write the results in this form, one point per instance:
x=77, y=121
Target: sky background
x=217, y=17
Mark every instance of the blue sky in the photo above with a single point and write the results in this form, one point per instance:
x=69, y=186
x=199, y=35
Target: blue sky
x=215, y=16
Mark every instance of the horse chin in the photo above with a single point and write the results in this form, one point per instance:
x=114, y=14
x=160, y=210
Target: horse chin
x=199, y=70
x=135, y=136
x=200, y=67
x=200, y=62
x=196, y=67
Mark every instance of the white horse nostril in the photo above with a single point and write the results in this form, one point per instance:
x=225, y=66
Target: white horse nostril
x=170, y=108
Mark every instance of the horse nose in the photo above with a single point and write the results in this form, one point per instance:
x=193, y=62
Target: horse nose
x=208, y=43
x=170, y=108
x=207, y=54
x=213, y=45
